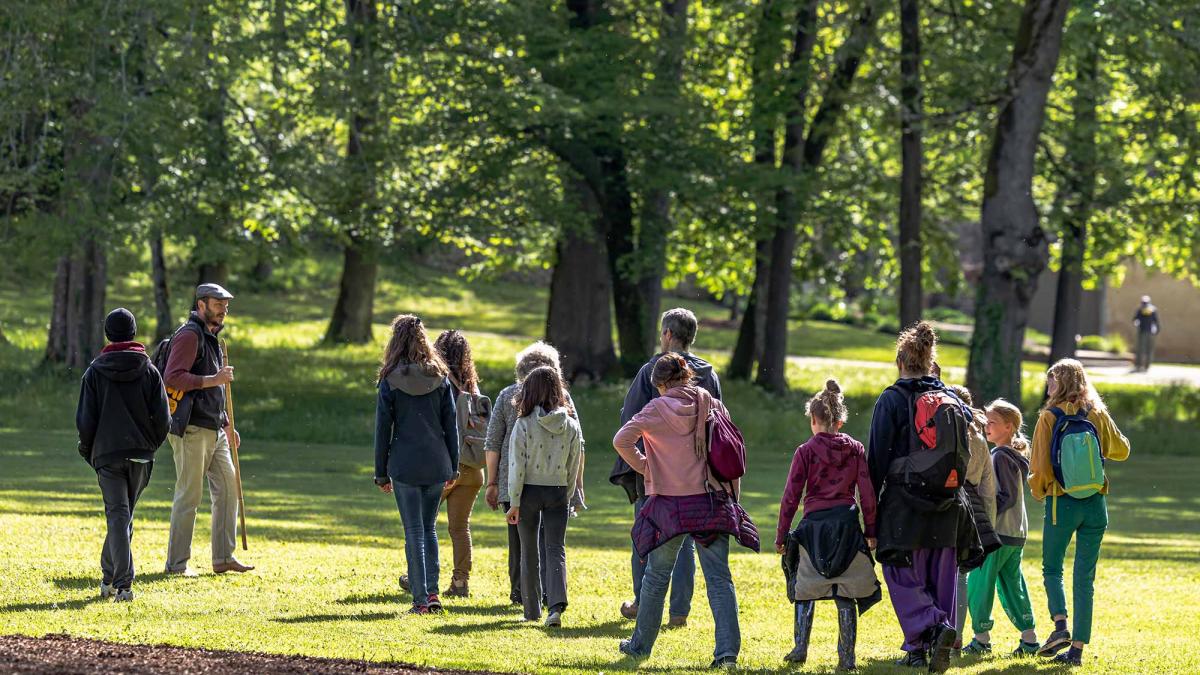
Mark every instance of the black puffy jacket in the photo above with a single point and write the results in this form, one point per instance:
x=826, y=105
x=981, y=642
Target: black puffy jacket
x=122, y=412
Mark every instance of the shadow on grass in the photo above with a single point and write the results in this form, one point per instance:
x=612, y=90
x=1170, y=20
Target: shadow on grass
x=86, y=583
x=322, y=618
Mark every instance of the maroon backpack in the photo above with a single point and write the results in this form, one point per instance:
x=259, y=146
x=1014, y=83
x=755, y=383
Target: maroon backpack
x=726, y=447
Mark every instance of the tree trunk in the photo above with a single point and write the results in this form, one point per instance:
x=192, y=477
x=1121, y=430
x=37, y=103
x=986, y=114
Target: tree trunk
x=77, y=311
x=1015, y=248
x=164, y=324
x=801, y=160
x=212, y=272
x=354, y=309
x=748, y=348
x=912, y=160
x=579, y=316
x=1078, y=194
x=639, y=259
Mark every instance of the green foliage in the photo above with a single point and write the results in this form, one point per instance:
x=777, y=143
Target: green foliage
x=1114, y=343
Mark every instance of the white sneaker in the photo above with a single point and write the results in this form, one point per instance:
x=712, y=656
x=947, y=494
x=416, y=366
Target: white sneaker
x=107, y=590
x=125, y=595
x=554, y=620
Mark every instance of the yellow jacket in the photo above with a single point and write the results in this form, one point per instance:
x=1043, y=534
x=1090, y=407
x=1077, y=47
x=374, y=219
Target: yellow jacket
x=1113, y=445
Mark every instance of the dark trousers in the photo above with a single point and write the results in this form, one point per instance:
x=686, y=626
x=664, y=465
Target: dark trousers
x=545, y=509
x=514, y=559
x=418, y=506
x=121, y=483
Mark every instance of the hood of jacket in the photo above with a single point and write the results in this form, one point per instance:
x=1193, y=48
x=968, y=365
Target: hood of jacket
x=414, y=379
x=122, y=365
x=833, y=449
x=679, y=407
x=554, y=421
x=915, y=385
x=1021, y=460
x=702, y=368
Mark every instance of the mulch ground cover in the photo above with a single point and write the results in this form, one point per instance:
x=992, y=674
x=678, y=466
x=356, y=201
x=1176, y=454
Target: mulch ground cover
x=62, y=655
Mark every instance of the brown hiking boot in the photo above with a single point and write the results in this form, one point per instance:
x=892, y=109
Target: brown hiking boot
x=629, y=610
x=458, y=589
x=234, y=566
x=677, y=621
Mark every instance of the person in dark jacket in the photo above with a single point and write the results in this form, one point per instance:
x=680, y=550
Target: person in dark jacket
x=416, y=448
x=195, y=378
x=920, y=542
x=1146, y=322
x=679, y=328
x=122, y=418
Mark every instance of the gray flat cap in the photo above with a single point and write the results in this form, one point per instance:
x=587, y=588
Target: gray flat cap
x=212, y=291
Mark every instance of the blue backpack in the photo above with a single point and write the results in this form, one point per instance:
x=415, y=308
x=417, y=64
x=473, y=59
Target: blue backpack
x=1075, y=454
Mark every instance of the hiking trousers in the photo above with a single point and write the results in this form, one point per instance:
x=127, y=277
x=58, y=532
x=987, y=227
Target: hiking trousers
x=202, y=454
x=1086, y=520
x=460, y=500
x=121, y=483
x=1001, y=572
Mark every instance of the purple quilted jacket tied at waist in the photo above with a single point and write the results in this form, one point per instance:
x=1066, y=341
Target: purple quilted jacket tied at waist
x=704, y=516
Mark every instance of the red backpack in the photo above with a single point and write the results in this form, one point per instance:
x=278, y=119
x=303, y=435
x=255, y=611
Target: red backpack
x=726, y=447
x=936, y=465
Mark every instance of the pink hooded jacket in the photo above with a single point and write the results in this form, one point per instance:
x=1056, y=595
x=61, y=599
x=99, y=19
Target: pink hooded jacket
x=672, y=428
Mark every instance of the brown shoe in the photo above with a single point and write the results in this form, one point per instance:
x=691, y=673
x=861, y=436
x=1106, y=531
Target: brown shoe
x=677, y=621
x=458, y=589
x=629, y=610
x=235, y=566
x=187, y=572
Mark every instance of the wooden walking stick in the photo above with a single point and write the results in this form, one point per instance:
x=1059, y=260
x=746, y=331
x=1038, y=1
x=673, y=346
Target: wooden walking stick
x=234, y=442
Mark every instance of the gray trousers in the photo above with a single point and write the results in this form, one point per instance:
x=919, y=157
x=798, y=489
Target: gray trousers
x=545, y=508
x=202, y=454
x=121, y=483
x=1145, y=350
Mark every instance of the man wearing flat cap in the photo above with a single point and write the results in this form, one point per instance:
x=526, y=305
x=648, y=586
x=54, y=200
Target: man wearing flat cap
x=122, y=418
x=199, y=439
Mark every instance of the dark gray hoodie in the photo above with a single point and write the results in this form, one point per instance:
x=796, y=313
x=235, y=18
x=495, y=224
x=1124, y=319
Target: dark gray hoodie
x=1012, y=470
x=122, y=412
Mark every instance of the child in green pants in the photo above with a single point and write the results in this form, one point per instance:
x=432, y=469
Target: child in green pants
x=1084, y=516
x=1002, y=568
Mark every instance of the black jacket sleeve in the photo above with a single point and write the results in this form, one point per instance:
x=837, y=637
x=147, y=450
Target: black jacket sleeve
x=87, y=417
x=450, y=424
x=384, y=420
x=640, y=393
x=883, y=439
x=156, y=402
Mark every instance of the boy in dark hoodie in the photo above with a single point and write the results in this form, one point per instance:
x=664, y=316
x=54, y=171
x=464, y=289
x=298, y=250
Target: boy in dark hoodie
x=122, y=418
x=679, y=328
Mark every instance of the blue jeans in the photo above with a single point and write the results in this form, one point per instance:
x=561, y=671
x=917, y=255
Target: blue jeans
x=418, y=511
x=683, y=578
x=714, y=561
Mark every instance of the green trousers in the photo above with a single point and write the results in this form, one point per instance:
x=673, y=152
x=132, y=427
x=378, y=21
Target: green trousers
x=1001, y=571
x=1086, y=520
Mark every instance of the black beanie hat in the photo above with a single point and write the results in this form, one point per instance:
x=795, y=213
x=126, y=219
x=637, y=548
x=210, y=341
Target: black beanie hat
x=120, y=326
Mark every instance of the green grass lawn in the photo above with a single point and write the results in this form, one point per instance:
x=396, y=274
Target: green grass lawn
x=329, y=545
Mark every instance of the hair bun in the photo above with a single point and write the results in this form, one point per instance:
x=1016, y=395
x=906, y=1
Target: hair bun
x=832, y=385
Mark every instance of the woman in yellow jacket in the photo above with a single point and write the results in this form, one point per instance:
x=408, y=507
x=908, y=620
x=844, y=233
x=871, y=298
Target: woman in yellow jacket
x=1084, y=517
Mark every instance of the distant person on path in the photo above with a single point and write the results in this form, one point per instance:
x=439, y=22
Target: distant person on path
x=199, y=435
x=496, y=447
x=1002, y=569
x=678, y=332
x=1146, y=322
x=673, y=462
x=545, y=463
x=416, y=448
x=1073, y=437
x=122, y=418
x=925, y=530
x=473, y=410
x=828, y=555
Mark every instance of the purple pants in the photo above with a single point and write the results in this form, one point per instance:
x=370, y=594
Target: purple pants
x=924, y=595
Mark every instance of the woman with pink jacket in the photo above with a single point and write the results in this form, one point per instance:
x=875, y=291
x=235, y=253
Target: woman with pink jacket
x=682, y=500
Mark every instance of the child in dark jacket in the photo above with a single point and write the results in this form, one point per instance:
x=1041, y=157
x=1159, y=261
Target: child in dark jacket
x=122, y=418
x=833, y=560
x=1002, y=568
